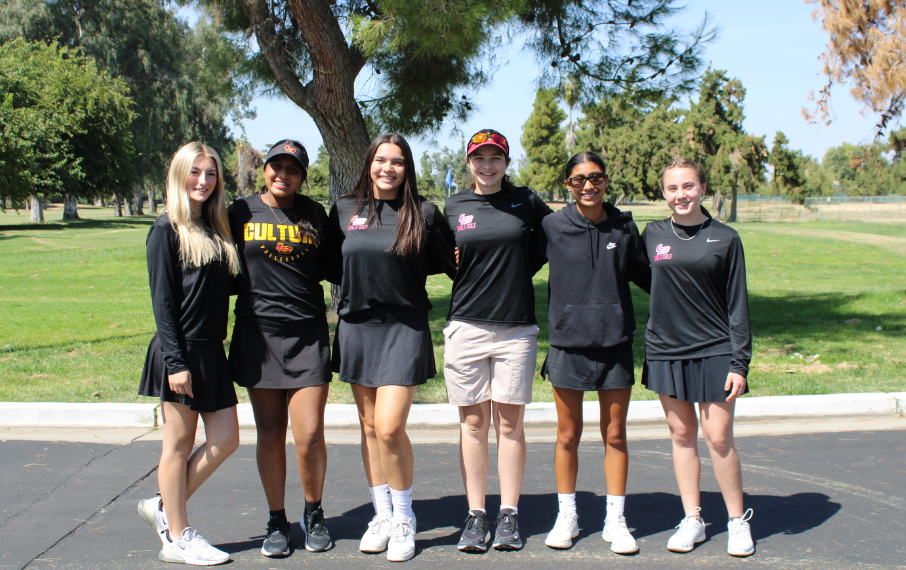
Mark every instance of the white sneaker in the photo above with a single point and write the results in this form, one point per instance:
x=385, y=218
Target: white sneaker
x=191, y=548
x=691, y=531
x=617, y=534
x=565, y=530
x=402, y=540
x=378, y=534
x=740, y=541
x=151, y=512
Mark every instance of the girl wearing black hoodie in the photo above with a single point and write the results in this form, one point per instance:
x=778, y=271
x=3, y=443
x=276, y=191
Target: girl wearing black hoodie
x=594, y=251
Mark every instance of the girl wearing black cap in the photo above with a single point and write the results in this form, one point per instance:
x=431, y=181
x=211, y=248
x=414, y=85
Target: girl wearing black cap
x=698, y=347
x=191, y=264
x=594, y=251
x=391, y=239
x=280, y=349
x=491, y=335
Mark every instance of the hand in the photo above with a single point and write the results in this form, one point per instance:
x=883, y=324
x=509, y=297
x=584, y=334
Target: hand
x=181, y=383
x=456, y=254
x=736, y=384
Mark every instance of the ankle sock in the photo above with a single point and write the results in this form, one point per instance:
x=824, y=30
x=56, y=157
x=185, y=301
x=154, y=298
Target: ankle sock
x=513, y=508
x=478, y=512
x=279, y=516
x=615, y=505
x=380, y=499
x=402, y=503
x=311, y=507
x=567, y=503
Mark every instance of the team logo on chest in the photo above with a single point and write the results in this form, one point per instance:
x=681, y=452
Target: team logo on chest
x=278, y=240
x=465, y=223
x=357, y=223
x=663, y=252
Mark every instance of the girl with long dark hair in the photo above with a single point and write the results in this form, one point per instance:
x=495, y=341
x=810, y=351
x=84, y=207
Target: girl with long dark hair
x=698, y=347
x=390, y=239
x=280, y=347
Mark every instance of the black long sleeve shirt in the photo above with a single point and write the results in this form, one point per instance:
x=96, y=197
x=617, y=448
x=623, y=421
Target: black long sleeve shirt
x=191, y=304
x=495, y=234
x=378, y=284
x=699, y=300
x=282, y=268
x=591, y=266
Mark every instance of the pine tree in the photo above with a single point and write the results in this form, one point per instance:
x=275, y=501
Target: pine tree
x=544, y=142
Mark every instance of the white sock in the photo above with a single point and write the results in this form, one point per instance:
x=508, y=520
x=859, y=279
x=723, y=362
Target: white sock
x=380, y=498
x=615, y=504
x=511, y=507
x=567, y=503
x=402, y=503
x=477, y=512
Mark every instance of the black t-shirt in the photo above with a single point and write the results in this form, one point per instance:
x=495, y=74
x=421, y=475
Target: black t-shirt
x=378, y=284
x=699, y=300
x=191, y=304
x=494, y=234
x=282, y=268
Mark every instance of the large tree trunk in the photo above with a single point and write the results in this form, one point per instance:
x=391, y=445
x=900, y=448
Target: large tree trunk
x=70, y=207
x=37, y=211
x=117, y=207
x=329, y=98
x=732, y=216
x=152, y=198
x=128, y=203
x=137, y=199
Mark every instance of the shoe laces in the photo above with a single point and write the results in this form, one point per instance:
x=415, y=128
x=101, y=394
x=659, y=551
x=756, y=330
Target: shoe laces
x=473, y=524
x=738, y=525
x=401, y=529
x=690, y=520
x=315, y=520
x=274, y=525
x=374, y=526
x=565, y=520
x=506, y=522
x=619, y=527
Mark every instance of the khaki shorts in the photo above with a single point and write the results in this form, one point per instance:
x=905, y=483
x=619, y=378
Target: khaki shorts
x=489, y=362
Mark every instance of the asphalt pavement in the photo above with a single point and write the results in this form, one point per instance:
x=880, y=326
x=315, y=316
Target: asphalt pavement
x=821, y=500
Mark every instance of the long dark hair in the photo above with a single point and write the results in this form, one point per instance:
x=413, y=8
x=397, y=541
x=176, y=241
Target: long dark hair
x=584, y=156
x=410, y=232
x=507, y=182
x=308, y=223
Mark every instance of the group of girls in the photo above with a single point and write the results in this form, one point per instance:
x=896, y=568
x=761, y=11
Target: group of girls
x=378, y=244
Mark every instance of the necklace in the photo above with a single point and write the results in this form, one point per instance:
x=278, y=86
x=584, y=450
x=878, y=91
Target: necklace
x=274, y=212
x=673, y=227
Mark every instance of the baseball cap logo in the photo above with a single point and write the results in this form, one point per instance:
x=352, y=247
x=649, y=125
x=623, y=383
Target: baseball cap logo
x=288, y=148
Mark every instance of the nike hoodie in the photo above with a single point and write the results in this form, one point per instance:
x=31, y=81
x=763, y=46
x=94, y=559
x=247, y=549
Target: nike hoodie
x=591, y=266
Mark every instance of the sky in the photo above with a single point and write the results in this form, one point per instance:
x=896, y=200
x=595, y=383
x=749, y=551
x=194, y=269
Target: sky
x=772, y=46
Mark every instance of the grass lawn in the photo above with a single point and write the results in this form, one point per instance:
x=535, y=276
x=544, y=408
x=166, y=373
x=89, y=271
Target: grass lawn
x=828, y=306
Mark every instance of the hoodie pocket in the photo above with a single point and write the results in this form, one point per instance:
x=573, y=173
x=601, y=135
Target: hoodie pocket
x=590, y=326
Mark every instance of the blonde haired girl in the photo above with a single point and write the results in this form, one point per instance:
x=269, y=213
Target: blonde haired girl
x=191, y=263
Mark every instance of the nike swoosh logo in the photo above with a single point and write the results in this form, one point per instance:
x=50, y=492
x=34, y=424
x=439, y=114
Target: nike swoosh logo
x=709, y=240
x=611, y=246
x=514, y=205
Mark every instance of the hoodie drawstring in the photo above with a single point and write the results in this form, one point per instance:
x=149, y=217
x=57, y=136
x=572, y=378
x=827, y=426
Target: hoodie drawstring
x=593, y=246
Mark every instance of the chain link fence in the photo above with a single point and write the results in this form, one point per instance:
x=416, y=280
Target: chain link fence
x=840, y=209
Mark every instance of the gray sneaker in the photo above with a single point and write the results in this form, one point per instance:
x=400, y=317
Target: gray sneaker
x=476, y=534
x=276, y=543
x=507, y=536
x=317, y=539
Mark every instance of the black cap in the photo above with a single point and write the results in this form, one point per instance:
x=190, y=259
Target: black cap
x=291, y=148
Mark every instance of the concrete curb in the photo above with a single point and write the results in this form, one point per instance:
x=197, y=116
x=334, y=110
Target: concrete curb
x=15, y=414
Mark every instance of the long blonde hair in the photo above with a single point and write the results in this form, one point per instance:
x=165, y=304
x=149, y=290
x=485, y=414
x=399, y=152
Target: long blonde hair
x=196, y=247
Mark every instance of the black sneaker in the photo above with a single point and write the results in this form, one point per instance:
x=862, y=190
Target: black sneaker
x=507, y=535
x=276, y=543
x=476, y=535
x=317, y=539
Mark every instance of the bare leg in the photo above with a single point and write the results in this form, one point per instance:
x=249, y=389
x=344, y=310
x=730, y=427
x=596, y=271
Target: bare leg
x=306, y=408
x=614, y=408
x=510, y=450
x=473, y=451
x=269, y=406
x=569, y=433
x=717, y=427
x=391, y=410
x=365, y=398
x=684, y=432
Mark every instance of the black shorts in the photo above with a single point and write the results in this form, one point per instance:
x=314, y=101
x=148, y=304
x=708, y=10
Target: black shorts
x=692, y=380
x=262, y=359
x=391, y=353
x=212, y=385
x=590, y=369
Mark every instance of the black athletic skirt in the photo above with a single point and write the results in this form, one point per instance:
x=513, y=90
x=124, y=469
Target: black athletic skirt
x=693, y=380
x=212, y=384
x=262, y=359
x=391, y=353
x=590, y=369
